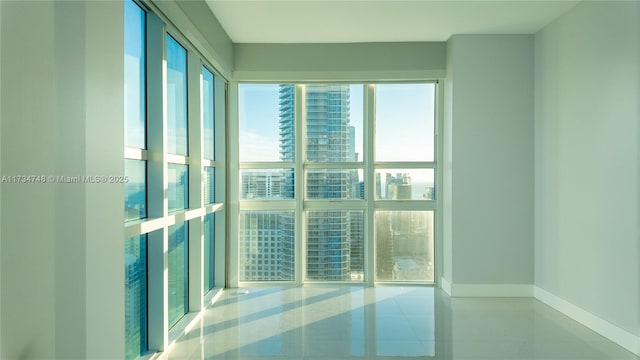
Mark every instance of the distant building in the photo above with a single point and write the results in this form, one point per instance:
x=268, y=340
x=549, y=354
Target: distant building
x=398, y=187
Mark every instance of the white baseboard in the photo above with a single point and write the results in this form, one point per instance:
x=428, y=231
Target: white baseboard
x=620, y=336
x=491, y=290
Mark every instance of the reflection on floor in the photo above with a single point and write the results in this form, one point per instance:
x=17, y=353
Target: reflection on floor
x=344, y=322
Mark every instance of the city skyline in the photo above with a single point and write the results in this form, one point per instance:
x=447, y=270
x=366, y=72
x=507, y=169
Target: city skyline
x=334, y=238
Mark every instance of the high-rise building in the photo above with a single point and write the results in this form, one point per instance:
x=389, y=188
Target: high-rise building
x=331, y=235
x=335, y=239
x=136, y=295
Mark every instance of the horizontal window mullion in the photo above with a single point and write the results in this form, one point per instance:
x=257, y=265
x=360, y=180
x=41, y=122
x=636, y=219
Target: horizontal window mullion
x=267, y=165
x=135, y=153
x=211, y=208
x=405, y=165
x=140, y=227
x=334, y=205
x=212, y=163
x=258, y=283
x=344, y=165
x=405, y=205
x=267, y=205
x=178, y=159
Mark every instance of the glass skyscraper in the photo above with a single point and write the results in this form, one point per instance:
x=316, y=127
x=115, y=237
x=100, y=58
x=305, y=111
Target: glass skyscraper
x=330, y=139
x=335, y=239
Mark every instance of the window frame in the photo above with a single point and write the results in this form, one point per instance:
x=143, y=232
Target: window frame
x=369, y=166
x=158, y=220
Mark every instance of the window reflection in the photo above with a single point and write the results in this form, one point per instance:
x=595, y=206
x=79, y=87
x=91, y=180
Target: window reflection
x=176, y=97
x=135, y=203
x=177, y=268
x=178, y=192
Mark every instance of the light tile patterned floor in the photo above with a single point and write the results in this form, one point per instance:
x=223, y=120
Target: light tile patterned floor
x=342, y=322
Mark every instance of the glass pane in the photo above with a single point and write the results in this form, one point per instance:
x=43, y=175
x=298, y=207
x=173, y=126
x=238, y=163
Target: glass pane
x=405, y=122
x=177, y=267
x=209, y=251
x=135, y=260
x=334, y=122
x=405, y=184
x=209, y=185
x=176, y=98
x=266, y=122
x=266, y=245
x=268, y=184
x=134, y=76
x=335, y=184
x=404, y=245
x=135, y=202
x=207, y=113
x=335, y=245
x=178, y=192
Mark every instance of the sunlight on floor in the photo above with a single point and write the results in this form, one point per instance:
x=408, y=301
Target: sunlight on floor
x=385, y=322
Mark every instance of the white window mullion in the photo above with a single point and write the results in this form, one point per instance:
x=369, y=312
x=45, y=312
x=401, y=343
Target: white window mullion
x=369, y=146
x=439, y=181
x=220, y=197
x=233, y=173
x=195, y=184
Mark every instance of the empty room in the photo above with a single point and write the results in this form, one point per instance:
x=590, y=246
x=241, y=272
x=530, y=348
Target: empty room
x=319, y=179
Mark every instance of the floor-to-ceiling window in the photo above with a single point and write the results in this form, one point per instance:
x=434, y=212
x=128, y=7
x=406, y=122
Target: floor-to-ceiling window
x=267, y=224
x=175, y=110
x=336, y=182
x=405, y=166
x=135, y=168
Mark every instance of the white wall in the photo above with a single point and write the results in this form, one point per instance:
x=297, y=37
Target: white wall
x=340, y=62
x=587, y=163
x=490, y=179
x=27, y=209
x=62, y=95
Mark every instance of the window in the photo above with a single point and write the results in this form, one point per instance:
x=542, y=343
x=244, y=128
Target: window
x=267, y=154
x=135, y=295
x=404, y=135
x=135, y=189
x=177, y=268
x=404, y=245
x=208, y=115
x=262, y=233
x=171, y=94
x=135, y=167
x=134, y=76
x=176, y=97
x=335, y=245
x=209, y=252
x=178, y=193
x=344, y=177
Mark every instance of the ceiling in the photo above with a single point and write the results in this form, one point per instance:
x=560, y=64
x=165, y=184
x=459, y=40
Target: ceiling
x=344, y=21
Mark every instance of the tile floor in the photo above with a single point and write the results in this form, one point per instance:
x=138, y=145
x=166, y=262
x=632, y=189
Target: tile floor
x=344, y=322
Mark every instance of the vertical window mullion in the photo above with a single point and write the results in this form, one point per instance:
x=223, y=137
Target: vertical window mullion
x=369, y=148
x=195, y=149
